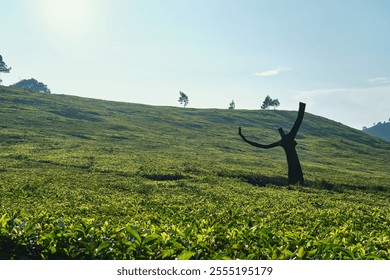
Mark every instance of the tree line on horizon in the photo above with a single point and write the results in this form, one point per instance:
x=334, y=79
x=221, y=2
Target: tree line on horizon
x=376, y=124
x=267, y=103
x=26, y=84
x=36, y=86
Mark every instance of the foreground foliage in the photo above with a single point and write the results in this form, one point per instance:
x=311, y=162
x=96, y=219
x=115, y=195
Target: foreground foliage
x=87, y=179
x=288, y=230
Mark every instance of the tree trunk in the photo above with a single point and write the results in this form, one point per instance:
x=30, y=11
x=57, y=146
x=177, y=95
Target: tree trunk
x=288, y=143
x=295, y=174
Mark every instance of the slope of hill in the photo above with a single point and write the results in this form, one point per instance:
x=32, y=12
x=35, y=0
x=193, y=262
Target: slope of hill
x=84, y=178
x=380, y=130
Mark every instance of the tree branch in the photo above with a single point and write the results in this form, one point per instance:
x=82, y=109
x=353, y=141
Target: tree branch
x=281, y=132
x=276, y=144
x=294, y=130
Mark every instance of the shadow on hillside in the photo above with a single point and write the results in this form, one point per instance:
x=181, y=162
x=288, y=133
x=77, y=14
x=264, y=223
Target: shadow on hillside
x=163, y=177
x=258, y=180
x=262, y=181
x=324, y=185
x=77, y=114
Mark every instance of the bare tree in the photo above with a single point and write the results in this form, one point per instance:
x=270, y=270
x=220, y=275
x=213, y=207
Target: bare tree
x=288, y=143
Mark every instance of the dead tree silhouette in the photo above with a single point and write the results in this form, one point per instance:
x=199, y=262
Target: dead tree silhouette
x=288, y=143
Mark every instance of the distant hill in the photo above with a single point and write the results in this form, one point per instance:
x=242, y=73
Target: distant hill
x=381, y=130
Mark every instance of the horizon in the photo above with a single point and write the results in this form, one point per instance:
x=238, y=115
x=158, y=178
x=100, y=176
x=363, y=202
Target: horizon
x=332, y=56
x=207, y=108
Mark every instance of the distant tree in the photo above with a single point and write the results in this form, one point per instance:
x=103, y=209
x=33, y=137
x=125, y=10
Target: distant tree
x=275, y=103
x=232, y=105
x=183, y=99
x=3, y=67
x=33, y=85
x=268, y=101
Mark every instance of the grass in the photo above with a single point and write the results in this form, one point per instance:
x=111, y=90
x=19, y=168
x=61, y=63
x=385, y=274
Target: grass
x=91, y=179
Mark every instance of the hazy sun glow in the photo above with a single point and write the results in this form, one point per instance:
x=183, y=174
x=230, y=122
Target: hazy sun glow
x=67, y=18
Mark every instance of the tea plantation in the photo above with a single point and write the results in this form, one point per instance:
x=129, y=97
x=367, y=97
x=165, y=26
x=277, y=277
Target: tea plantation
x=90, y=179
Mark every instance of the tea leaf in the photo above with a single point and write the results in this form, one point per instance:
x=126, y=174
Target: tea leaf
x=185, y=255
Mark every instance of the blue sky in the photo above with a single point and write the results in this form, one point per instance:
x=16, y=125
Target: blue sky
x=333, y=55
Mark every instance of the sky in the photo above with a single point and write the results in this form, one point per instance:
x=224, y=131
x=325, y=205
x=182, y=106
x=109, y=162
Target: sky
x=333, y=55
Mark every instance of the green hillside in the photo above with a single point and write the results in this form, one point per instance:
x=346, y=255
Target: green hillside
x=91, y=179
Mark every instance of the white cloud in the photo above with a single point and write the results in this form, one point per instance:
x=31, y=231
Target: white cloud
x=356, y=107
x=379, y=80
x=272, y=72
